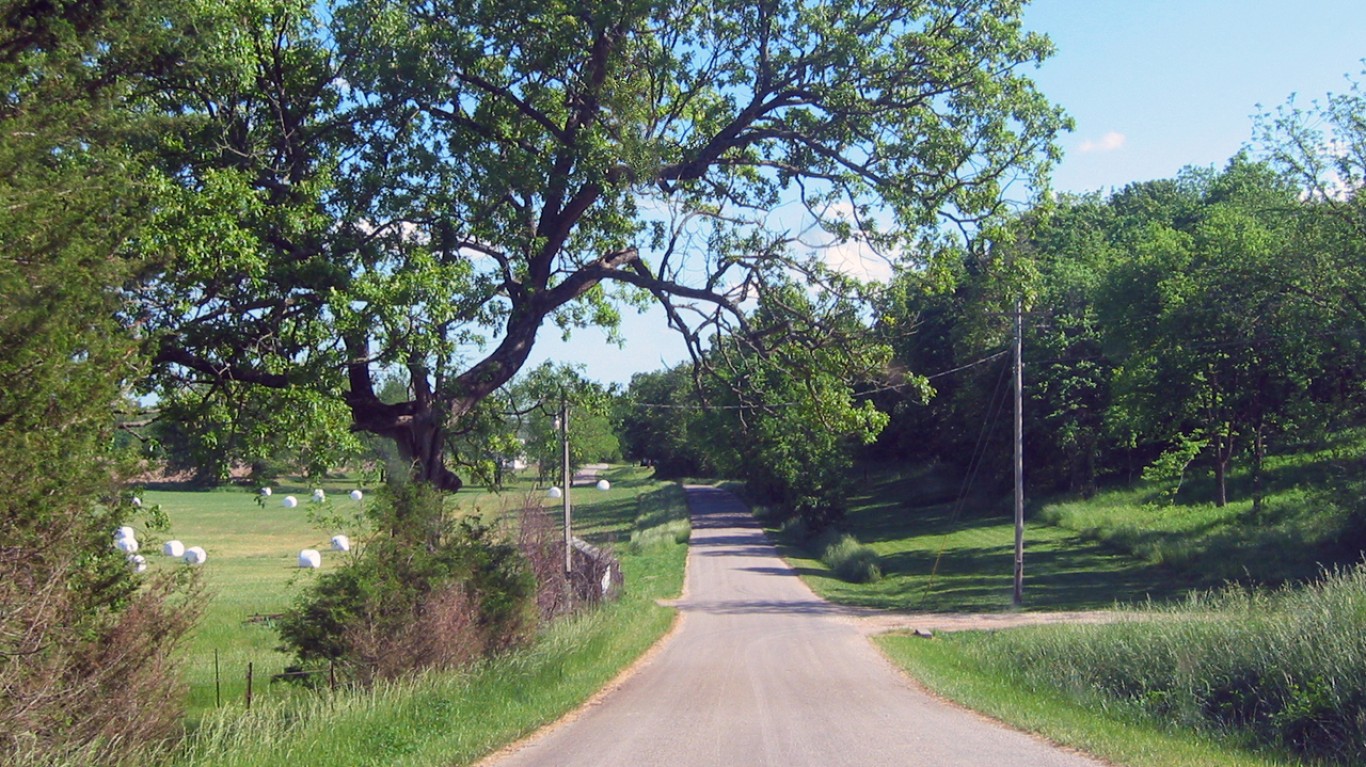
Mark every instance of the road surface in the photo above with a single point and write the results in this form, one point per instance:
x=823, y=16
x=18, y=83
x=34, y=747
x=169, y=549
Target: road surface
x=763, y=672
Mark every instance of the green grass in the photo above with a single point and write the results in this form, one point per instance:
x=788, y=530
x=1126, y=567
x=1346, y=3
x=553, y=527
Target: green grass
x=436, y=719
x=953, y=666
x=1311, y=517
x=1120, y=547
x=251, y=573
x=1244, y=678
x=1281, y=671
x=934, y=557
x=455, y=719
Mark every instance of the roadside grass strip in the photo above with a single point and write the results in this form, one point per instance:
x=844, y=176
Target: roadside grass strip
x=953, y=667
x=1203, y=682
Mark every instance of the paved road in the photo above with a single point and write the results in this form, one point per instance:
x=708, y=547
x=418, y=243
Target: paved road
x=762, y=672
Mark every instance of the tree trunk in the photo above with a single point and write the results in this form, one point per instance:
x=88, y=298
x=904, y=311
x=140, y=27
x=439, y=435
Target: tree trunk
x=1258, y=455
x=1220, y=482
x=418, y=435
x=423, y=445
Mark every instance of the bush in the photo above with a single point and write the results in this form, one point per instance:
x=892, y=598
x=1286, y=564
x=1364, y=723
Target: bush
x=850, y=560
x=427, y=592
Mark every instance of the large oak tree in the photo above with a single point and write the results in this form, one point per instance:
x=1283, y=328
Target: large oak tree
x=396, y=185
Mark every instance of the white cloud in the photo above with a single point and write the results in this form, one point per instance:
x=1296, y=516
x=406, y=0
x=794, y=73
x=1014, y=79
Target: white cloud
x=854, y=256
x=856, y=259
x=1108, y=143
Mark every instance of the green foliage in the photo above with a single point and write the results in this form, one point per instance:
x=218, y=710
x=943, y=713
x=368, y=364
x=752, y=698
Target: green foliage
x=791, y=417
x=1175, y=323
x=1169, y=470
x=538, y=395
x=402, y=188
x=426, y=592
x=660, y=423
x=87, y=646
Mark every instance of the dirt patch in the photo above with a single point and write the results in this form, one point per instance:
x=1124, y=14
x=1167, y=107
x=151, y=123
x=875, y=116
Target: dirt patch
x=872, y=622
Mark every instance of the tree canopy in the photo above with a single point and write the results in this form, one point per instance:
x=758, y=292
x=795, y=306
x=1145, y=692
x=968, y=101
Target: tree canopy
x=419, y=187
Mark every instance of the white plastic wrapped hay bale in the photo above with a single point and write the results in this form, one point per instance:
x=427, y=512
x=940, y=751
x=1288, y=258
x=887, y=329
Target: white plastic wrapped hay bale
x=341, y=543
x=195, y=556
x=318, y=495
x=604, y=485
x=173, y=549
x=310, y=559
x=137, y=562
x=266, y=492
x=137, y=502
x=356, y=495
x=290, y=501
x=124, y=532
x=127, y=545
x=554, y=492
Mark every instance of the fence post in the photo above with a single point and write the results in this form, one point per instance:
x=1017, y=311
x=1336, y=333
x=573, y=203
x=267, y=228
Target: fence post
x=249, y=670
x=217, y=682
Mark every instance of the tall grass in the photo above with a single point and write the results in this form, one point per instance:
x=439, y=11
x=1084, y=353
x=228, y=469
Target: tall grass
x=1283, y=670
x=848, y=559
x=662, y=519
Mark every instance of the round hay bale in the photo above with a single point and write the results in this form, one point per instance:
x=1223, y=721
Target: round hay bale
x=318, y=495
x=126, y=545
x=356, y=495
x=137, y=562
x=290, y=501
x=173, y=549
x=266, y=491
x=341, y=543
x=310, y=559
x=604, y=485
x=554, y=492
x=195, y=556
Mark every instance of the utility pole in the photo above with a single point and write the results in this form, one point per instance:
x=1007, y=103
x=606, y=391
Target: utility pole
x=568, y=480
x=1019, y=457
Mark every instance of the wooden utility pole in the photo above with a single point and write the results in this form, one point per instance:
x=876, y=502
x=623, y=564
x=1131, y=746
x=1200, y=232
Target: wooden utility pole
x=1019, y=458
x=568, y=480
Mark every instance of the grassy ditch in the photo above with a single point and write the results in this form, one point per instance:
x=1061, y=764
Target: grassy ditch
x=1282, y=672
x=435, y=719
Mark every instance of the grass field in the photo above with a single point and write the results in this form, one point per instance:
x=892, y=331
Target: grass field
x=252, y=573
x=935, y=557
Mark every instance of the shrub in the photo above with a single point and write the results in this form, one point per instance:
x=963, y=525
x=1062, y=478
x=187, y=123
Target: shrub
x=538, y=538
x=426, y=592
x=850, y=560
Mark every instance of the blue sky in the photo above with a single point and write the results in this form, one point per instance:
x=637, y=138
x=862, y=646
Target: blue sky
x=1153, y=85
